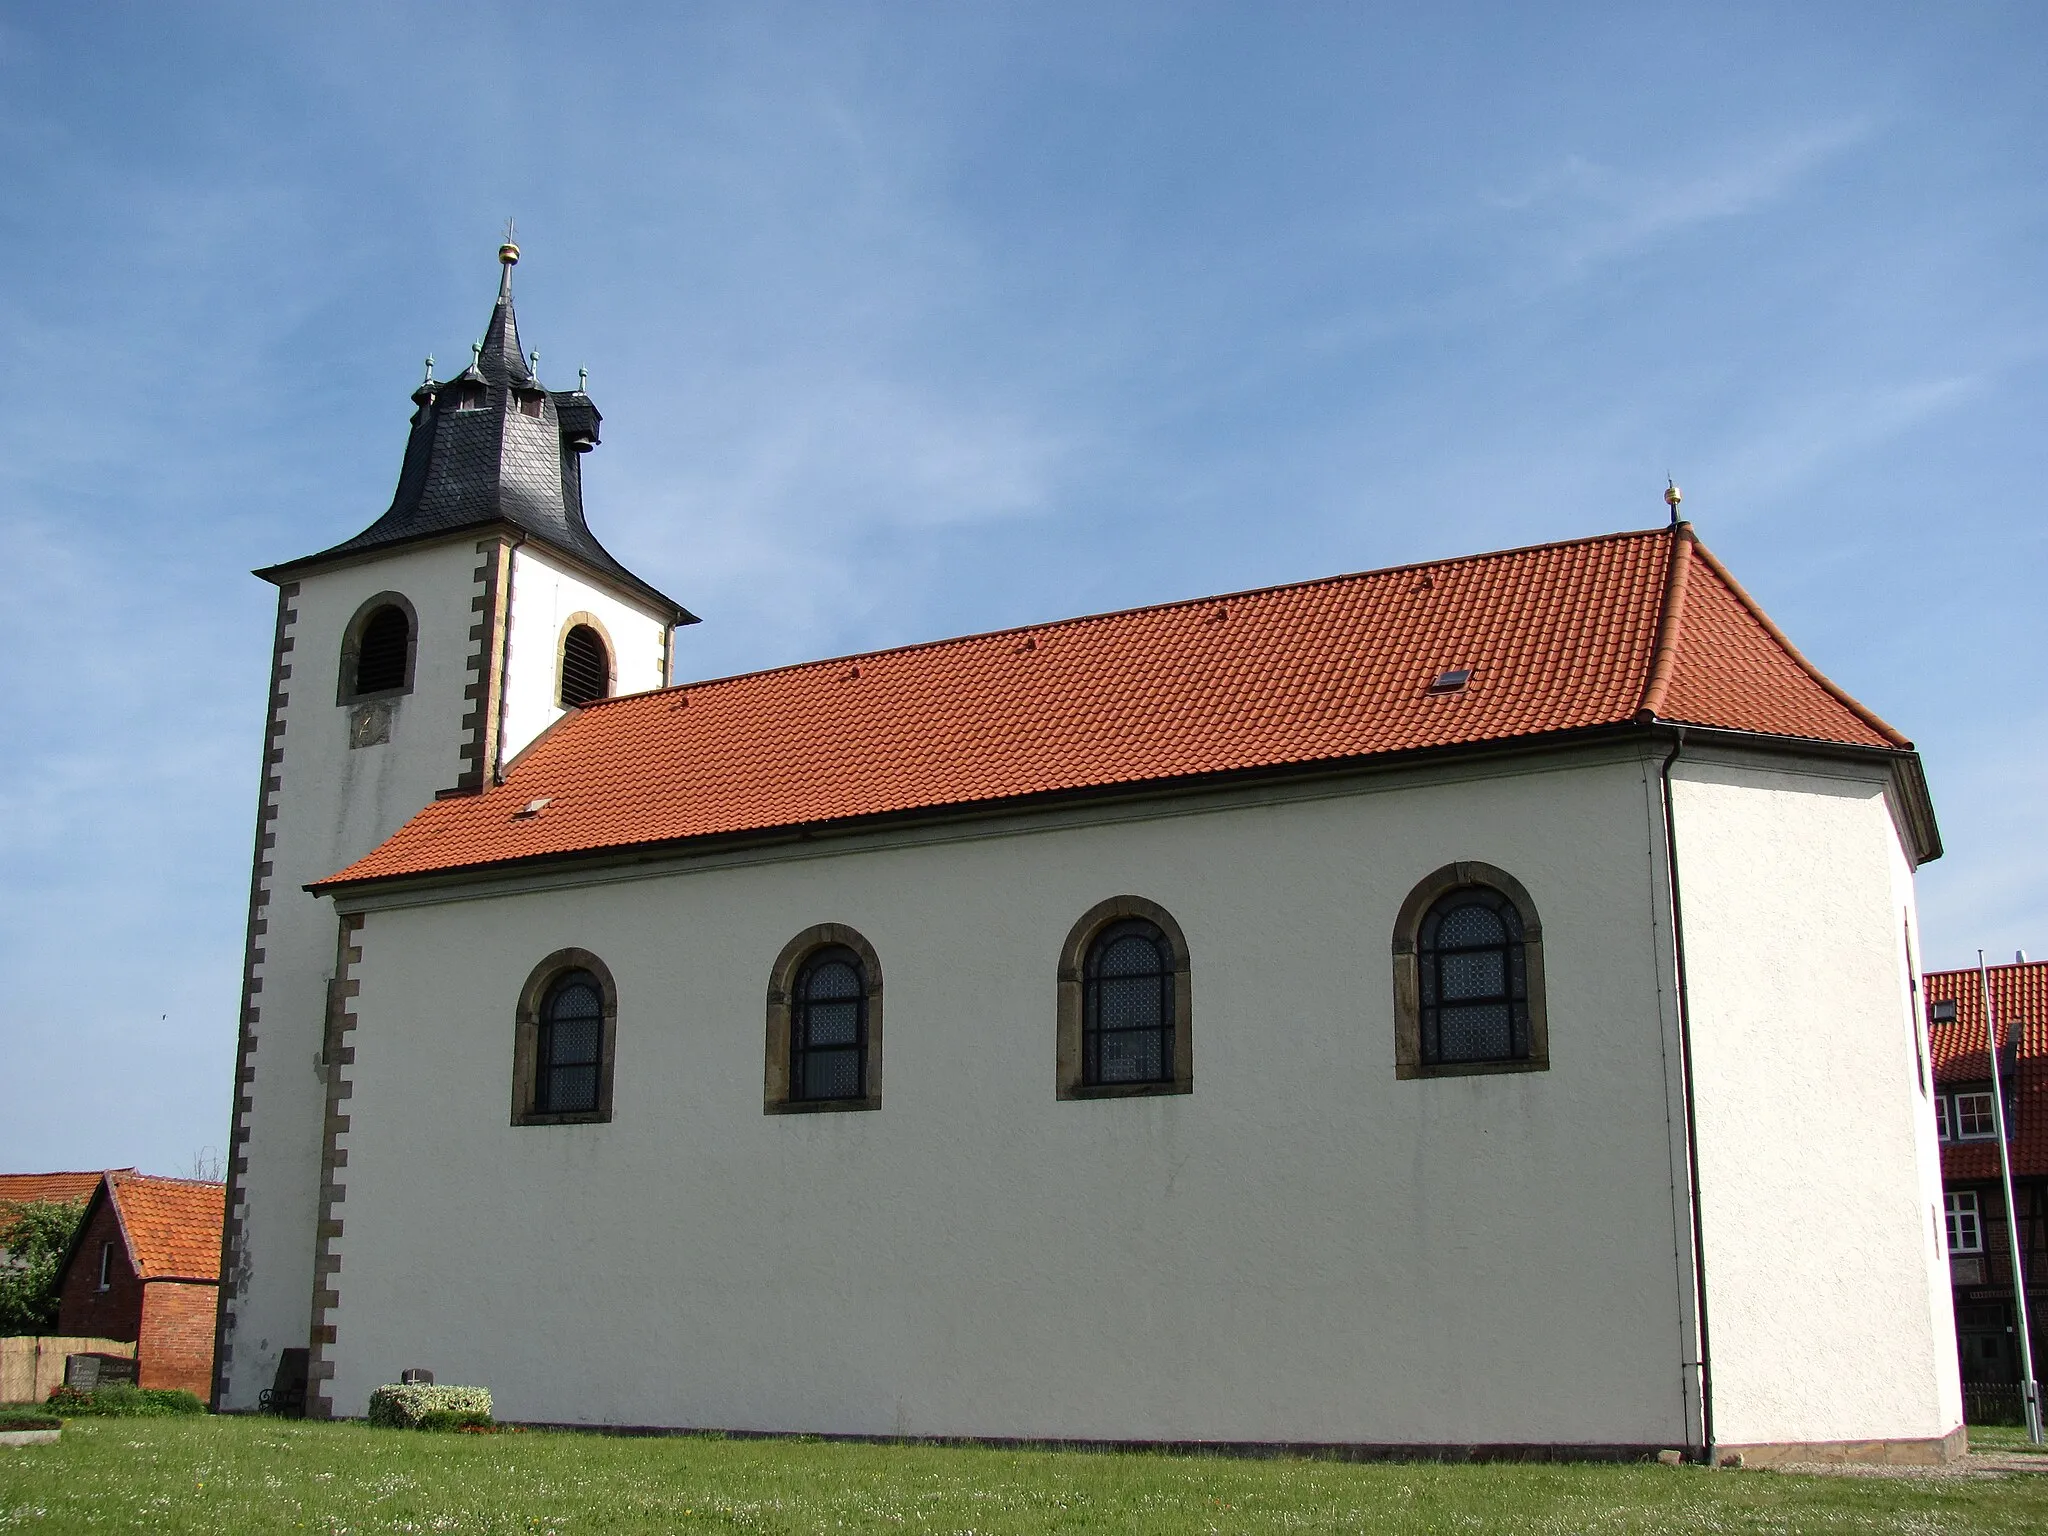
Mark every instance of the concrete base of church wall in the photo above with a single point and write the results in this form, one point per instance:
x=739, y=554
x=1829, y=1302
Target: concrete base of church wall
x=1934, y=1452
x=1829, y=1300
x=1302, y=1250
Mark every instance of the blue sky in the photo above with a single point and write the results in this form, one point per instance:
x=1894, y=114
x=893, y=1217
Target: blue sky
x=915, y=319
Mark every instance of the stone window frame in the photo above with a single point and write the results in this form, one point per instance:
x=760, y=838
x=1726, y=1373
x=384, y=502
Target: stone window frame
x=611, y=656
x=1069, y=1008
x=526, y=1039
x=352, y=647
x=1408, y=1062
x=775, y=1099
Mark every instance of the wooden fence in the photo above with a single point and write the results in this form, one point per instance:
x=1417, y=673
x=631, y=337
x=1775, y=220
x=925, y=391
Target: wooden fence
x=32, y=1365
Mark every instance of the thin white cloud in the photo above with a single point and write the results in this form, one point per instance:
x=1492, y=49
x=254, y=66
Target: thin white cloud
x=1598, y=212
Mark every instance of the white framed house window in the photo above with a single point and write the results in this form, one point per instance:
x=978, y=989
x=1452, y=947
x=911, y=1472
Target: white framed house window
x=1976, y=1120
x=1965, y=1229
x=106, y=1266
x=1941, y=1129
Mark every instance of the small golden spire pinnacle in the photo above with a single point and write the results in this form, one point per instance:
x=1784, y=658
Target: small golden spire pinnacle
x=508, y=253
x=1672, y=496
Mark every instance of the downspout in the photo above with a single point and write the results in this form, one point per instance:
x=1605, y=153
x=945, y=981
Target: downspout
x=1692, y=1137
x=1656, y=685
x=505, y=662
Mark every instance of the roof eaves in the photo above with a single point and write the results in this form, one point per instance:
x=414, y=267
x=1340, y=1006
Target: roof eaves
x=1908, y=774
x=342, y=554
x=967, y=810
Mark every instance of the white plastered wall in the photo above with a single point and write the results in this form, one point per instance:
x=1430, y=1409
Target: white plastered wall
x=334, y=804
x=1303, y=1249
x=1828, y=1299
x=546, y=594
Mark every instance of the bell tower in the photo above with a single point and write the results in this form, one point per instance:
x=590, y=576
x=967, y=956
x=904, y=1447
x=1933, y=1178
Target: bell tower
x=408, y=663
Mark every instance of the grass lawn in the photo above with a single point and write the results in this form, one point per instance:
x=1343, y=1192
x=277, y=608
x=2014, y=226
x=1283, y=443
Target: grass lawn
x=239, y=1474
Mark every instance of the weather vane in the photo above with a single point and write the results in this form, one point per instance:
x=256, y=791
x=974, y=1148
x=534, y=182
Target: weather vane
x=508, y=252
x=430, y=370
x=1672, y=496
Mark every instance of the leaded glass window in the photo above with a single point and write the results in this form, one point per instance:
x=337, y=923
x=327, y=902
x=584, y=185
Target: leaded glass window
x=828, y=1027
x=1127, y=1006
x=1474, y=979
x=571, y=1046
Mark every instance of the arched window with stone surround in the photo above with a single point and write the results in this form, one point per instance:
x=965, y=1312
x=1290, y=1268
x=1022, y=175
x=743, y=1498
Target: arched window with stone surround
x=586, y=670
x=1468, y=976
x=1125, y=1016
x=377, y=650
x=824, y=1045
x=567, y=1029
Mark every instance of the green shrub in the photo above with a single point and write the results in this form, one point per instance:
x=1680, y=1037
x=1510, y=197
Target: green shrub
x=36, y=1234
x=122, y=1402
x=409, y=1407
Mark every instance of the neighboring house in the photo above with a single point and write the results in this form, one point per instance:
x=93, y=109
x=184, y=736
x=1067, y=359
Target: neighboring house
x=1469, y=1004
x=1980, y=1262
x=145, y=1267
x=31, y=1188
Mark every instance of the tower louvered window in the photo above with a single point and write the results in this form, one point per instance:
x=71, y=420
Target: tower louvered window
x=1474, y=979
x=586, y=667
x=1127, y=1006
x=381, y=653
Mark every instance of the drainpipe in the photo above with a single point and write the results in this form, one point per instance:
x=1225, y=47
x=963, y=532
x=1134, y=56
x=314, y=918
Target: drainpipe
x=1692, y=1137
x=505, y=662
x=2030, y=1390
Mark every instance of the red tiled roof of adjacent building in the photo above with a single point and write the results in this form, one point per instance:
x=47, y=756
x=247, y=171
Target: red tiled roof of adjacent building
x=21, y=1188
x=1630, y=627
x=172, y=1225
x=2019, y=995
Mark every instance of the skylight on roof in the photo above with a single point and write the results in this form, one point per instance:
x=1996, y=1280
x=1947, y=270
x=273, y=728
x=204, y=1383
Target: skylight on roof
x=1451, y=682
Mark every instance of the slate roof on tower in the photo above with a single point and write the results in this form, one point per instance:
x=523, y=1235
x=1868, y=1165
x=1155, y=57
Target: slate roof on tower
x=476, y=459
x=1561, y=640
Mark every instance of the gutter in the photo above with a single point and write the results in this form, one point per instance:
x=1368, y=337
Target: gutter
x=1692, y=1139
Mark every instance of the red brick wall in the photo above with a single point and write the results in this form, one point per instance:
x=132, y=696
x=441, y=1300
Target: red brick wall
x=177, y=1335
x=82, y=1307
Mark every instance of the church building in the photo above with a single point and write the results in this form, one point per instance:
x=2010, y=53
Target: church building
x=1480, y=1000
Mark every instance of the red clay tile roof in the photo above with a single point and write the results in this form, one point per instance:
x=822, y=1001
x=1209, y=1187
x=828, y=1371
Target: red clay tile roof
x=1560, y=637
x=172, y=1225
x=2019, y=994
x=23, y=1187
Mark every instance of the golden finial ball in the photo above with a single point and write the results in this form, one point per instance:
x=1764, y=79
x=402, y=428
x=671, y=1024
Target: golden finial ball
x=1673, y=496
x=508, y=253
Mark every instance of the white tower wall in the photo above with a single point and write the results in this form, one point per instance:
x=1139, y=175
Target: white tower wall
x=1829, y=1306
x=326, y=802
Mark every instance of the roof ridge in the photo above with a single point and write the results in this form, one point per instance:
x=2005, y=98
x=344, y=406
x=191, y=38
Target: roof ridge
x=1123, y=613
x=1664, y=649
x=1784, y=643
